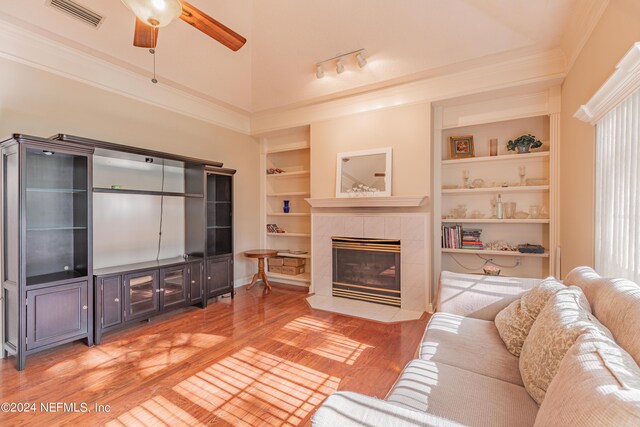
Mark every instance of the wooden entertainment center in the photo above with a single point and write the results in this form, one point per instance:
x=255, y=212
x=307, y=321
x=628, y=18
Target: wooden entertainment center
x=61, y=285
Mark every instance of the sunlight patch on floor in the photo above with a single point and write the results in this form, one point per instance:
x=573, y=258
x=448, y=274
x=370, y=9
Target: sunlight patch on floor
x=145, y=356
x=155, y=412
x=325, y=341
x=284, y=391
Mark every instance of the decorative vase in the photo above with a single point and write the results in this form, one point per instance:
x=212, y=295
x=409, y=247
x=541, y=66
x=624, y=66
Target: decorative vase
x=285, y=206
x=523, y=149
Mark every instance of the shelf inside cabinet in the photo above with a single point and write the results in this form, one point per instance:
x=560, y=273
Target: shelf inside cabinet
x=288, y=214
x=503, y=158
x=304, y=277
x=495, y=221
x=290, y=194
x=289, y=234
x=296, y=174
x=56, y=190
x=55, y=228
x=290, y=255
x=514, y=189
x=145, y=192
x=497, y=253
x=55, y=277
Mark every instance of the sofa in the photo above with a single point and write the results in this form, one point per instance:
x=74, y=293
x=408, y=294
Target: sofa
x=464, y=375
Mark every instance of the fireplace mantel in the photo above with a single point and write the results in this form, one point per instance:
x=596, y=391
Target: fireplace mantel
x=369, y=202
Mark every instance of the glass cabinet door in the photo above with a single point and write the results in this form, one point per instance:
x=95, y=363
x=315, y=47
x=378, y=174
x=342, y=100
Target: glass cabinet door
x=142, y=294
x=174, y=286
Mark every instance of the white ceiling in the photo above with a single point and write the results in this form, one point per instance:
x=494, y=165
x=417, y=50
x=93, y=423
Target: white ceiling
x=403, y=39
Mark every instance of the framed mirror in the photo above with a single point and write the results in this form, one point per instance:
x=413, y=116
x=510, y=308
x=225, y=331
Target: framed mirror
x=364, y=173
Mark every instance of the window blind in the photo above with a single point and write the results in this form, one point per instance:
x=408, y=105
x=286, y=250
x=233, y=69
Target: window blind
x=617, y=233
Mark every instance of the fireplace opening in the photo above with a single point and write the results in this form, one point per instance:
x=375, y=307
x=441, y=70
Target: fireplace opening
x=367, y=269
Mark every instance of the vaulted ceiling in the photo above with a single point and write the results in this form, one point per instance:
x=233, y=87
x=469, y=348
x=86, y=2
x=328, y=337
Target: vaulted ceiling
x=404, y=40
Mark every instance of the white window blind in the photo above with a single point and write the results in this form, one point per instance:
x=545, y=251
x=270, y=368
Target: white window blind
x=617, y=252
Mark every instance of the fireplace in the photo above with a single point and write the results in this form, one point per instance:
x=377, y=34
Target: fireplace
x=367, y=269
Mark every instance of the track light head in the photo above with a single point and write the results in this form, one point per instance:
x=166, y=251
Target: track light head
x=339, y=66
x=319, y=71
x=362, y=61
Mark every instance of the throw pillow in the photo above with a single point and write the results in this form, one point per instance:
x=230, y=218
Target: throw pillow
x=566, y=316
x=514, y=321
x=597, y=384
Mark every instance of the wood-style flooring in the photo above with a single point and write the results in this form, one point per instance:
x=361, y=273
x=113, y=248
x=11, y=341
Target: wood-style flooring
x=255, y=360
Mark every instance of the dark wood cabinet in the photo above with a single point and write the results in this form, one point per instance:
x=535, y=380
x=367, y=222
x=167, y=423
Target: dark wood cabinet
x=174, y=286
x=109, y=291
x=141, y=299
x=57, y=313
x=219, y=275
x=219, y=240
x=46, y=220
x=196, y=272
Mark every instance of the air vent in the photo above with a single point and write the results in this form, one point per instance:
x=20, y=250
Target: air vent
x=77, y=11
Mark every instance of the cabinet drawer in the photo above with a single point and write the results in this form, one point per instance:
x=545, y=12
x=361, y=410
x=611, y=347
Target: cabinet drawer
x=56, y=314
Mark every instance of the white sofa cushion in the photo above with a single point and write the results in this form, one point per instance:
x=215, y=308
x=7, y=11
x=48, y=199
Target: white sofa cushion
x=597, y=385
x=514, y=322
x=616, y=304
x=565, y=317
x=477, y=296
x=470, y=344
x=462, y=396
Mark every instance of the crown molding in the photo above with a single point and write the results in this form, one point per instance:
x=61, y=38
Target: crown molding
x=20, y=45
x=536, y=68
x=583, y=22
x=622, y=83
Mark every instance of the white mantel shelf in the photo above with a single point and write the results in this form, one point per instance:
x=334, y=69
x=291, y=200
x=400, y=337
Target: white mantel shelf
x=369, y=202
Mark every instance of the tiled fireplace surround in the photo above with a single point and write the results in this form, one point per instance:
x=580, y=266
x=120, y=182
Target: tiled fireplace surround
x=409, y=228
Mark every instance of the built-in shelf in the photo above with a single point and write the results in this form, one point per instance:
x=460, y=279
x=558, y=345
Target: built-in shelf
x=56, y=190
x=304, y=277
x=290, y=194
x=514, y=189
x=289, y=234
x=287, y=148
x=145, y=192
x=55, y=228
x=489, y=252
x=288, y=214
x=290, y=255
x=289, y=174
x=494, y=221
x=369, y=202
x=505, y=157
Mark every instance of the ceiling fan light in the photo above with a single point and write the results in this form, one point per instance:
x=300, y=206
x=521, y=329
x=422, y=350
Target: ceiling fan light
x=156, y=13
x=319, y=71
x=362, y=61
x=339, y=66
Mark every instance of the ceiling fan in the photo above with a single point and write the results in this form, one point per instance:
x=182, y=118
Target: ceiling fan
x=153, y=14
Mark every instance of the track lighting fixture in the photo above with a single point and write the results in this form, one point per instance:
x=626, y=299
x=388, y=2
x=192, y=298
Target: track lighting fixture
x=358, y=54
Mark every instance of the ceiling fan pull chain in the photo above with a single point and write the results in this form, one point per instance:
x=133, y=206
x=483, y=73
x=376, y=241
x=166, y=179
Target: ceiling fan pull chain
x=153, y=52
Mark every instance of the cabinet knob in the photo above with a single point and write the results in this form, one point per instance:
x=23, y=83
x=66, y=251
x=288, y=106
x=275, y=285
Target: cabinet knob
x=84, y=307
x=209, y=278
x=193, y=281
x=158, y=291
x=116, y=300
x=161, y=289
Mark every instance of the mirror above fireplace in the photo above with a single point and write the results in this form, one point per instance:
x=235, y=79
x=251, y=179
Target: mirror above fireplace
x=364, y=173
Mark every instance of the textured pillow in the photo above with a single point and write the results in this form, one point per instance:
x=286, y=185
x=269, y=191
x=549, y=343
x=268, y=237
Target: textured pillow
x=566, y=316
x=514, y=321
x=597, y=384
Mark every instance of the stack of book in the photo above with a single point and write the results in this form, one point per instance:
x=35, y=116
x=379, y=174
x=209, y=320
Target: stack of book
x=452, y=237
x=471, y=239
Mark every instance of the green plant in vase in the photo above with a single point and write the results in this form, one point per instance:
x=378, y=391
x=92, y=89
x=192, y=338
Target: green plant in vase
x=524, y=143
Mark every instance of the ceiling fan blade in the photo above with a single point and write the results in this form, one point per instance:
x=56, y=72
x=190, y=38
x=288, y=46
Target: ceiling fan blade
x=145, y=35
x=211, y=27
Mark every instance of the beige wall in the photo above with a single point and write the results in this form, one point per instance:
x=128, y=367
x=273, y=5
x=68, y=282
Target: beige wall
x=42, y=104
x=406, y=129
x=615, y=33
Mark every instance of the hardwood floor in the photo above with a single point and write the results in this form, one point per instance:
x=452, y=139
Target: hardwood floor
x=249, y=361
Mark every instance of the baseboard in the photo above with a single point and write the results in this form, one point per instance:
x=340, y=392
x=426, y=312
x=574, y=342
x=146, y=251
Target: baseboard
x=242, y=281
